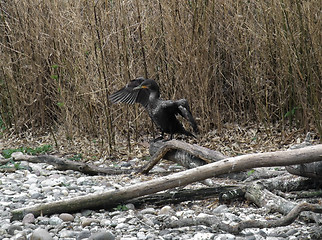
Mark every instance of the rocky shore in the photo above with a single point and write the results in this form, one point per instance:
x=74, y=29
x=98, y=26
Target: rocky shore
x=41, y=183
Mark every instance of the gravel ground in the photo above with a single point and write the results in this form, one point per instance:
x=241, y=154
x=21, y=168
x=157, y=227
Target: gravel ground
x=41, y=183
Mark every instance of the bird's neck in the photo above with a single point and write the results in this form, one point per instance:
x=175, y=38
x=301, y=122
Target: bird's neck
x=154, y=96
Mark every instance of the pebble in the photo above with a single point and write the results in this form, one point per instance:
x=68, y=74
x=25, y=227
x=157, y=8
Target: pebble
x=149, y=211
x=83, y=234
x=13, y=228
x=41, y=183
x=220, y=209
x=88, y=221
x=54, y=220
x=103, y=235
x=66, y=217
x=41, y=234
x=29, y=218
x=204, y=236
x=165, y=210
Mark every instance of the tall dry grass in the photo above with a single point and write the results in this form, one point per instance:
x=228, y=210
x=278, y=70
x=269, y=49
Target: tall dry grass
x=235, y=61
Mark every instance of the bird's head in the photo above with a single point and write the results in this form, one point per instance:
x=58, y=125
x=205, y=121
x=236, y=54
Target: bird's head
x=148, y=84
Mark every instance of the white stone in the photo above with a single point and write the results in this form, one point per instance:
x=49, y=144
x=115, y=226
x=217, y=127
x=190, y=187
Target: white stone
x=141, y=235
x=203, y=236
x=122, y=226
x=50, y=182
x=204, y=215
x=165, y=210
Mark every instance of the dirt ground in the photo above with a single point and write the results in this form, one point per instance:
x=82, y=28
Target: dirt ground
x=231, y=140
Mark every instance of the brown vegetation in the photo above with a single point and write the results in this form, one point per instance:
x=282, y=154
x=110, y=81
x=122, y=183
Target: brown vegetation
x=235, y=61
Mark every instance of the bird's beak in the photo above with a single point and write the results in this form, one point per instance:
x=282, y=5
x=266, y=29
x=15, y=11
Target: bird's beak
x=140, y=87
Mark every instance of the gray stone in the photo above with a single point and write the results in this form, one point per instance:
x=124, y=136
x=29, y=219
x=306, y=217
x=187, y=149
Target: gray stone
x=20, y=236
x=67, y=234
x=88, y=221
x=105, y=222
x=50, y=182
x=13, y=228
x=41, y=234
x=2, y=232
x=115, y=213
x=125, y=164
x=43, y=220
x=291, y=232
x=158, y=169
x=151, y=236
x=55, y=221
x=148, y=211
x=103, y=235
x=29, y=218
x=219, y=237
x=83, y=234
x=251, y=237
x=5, y=225
x=262, y=233
x=220, y=209
x=66, y=217
x=141, y=235
x=37, y=195
x=130, y=206
x=165, y=210
x=122, y=226
x=87, y=212
x=231, y=216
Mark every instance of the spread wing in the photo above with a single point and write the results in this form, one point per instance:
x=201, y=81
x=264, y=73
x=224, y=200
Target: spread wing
x=184, y=111
x=130, y=96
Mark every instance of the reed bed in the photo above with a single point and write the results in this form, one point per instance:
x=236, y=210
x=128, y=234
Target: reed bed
x=235, y=61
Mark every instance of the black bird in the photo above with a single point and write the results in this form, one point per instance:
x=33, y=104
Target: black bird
x=162, y=112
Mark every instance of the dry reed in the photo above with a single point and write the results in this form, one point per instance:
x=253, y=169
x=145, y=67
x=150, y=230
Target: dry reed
x=235, y=61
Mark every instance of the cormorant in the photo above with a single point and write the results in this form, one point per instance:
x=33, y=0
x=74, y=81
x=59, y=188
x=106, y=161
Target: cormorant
x=162, y=112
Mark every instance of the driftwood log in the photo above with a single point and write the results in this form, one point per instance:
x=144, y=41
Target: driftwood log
x=178, y=196
x=64, y=164
x=257, y=194
x=176, y=151
x=216, y=222
x=185, y=154
x=310, y=170
x=234, y=164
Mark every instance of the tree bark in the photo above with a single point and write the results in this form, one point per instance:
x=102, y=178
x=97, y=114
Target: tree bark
x=185, y=154
x=173, y=197
x=310, y=170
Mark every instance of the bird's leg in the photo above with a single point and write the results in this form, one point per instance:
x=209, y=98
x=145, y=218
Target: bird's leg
x=161, y=137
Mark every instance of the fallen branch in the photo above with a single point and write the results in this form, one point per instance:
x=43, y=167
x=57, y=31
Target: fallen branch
x=64, y=164
x=310, y=170
x=185, y=154
x=216, y=222
x=173, y=197
x=233, y=164
x=284, y=221
x=257, y=194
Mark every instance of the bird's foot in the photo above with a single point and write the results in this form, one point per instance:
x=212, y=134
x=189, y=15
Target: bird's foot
x=158, y=139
